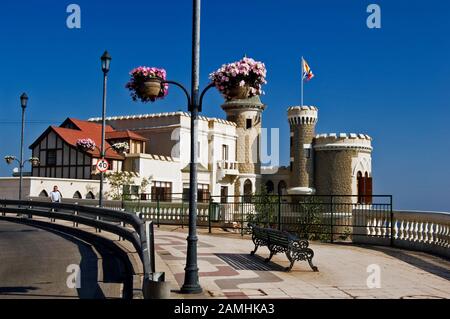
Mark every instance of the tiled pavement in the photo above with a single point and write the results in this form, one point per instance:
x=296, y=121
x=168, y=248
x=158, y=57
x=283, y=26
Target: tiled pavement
x=228, y=271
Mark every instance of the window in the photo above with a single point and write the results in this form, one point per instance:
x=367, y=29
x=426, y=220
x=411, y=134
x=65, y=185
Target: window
x=270, y=187
x=291, y=166
x=162, y=191
x=51, y=158
x=291, y=141
x=248, y=191
x=307, y=152
x=43, y=193
x=248, y=124
x=202, y=193
x=223, y=194
x=90, y=195
x=77, y=195
x=225, y=152
x=282, y=188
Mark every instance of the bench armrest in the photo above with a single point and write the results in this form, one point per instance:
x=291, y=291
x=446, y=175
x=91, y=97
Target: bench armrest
x=301, y=243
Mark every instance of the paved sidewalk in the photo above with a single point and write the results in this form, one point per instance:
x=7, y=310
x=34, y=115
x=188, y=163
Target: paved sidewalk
x=227, y=270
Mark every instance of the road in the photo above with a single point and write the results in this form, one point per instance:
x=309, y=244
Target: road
x=34, y=263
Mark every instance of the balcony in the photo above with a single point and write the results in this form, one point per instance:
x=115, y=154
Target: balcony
x=227, y=168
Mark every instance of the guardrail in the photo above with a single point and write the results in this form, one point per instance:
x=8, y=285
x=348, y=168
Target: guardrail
x=141, y=235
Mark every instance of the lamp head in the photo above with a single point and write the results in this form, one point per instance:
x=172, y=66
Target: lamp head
x=106, y=61
x=24, y=100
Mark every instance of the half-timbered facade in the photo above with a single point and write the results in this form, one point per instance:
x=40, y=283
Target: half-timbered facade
x=60, y=158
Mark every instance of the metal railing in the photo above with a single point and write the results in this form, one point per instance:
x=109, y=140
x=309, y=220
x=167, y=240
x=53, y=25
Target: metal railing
x=141, y=233
x=327, y=218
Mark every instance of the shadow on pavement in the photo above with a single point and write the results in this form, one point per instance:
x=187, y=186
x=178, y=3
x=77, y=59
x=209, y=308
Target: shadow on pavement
x=16, y=290
x=249, y=262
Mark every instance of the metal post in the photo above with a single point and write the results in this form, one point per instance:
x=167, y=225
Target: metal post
x=279, y=212
x=209, y=215
x=182, y=212
x=191, y=281
x=242, y=215
x=392, y=224
x=331, y=219
x=157, y=209
x=102, y=149
x=150, y=236
x=21, y=154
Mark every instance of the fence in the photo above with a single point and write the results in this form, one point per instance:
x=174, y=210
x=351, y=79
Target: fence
x=326, y=218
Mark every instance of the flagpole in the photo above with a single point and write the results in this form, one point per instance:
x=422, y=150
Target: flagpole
x=301, y=79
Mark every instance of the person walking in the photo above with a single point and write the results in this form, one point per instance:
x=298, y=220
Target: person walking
x=55, y=197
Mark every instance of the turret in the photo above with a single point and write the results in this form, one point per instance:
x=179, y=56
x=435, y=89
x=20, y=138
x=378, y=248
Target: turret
x=247, y=114
x=302, y=120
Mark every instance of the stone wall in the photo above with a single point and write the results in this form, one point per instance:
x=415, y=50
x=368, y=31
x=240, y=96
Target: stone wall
x=333, y=173
x=302, y=167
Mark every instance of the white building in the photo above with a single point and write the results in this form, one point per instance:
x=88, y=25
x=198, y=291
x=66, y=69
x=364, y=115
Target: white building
x=228, y=163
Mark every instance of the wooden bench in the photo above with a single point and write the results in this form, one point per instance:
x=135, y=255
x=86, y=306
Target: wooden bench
x=282, y=242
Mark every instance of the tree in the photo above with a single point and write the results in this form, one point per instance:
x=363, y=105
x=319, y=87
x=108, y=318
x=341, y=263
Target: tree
x=116, y=181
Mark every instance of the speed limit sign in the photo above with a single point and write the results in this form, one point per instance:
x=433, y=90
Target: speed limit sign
x=102, y=165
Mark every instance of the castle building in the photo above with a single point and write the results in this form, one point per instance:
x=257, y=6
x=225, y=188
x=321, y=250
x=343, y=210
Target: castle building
x=228, y=164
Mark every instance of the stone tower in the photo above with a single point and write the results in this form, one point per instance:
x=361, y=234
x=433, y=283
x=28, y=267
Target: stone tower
x=302, y=121
x=339, y=159
x=247, y=114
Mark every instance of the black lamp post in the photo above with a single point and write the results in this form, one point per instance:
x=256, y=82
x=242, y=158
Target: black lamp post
x=23, y=103
x=191, y=283
x=10, y=159
x=106, y=61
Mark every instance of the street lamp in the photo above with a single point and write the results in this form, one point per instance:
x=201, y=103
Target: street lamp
x=23, y=103
x=106, y=61
x=191, y=283
x=11, y=159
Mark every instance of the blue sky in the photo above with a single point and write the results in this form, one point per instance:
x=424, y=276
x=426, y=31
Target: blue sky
x=391, y=83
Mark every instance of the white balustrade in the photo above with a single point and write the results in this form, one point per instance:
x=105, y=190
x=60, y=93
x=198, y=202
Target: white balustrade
x=423, y=231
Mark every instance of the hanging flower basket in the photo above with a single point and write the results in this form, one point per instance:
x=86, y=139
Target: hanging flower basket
x=145, y=84
x=121, y=147
x=241, y=79
x=86, y=144
x=9, y=159
x=34, y=161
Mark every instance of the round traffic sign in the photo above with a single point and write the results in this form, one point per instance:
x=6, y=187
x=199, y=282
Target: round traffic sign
x=102, y=165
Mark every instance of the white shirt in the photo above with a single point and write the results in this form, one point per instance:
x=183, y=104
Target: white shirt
x=55, y=197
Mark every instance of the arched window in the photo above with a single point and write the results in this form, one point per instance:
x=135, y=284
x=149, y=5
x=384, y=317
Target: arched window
x=282, y=188
x=248, y=191
x=90, y=195
x=43, y=193
x=77, y=195
x=269, y=187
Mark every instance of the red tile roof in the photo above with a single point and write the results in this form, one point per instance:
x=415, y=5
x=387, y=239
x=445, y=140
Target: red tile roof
x=83, y=129
x=127, y=134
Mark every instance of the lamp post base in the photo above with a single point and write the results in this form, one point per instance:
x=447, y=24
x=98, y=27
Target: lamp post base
x=191, y=289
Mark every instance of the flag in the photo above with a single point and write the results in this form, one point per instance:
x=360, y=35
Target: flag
x=307, y=73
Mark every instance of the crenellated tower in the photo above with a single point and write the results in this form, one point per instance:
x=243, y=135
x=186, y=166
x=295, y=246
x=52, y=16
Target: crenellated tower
x=247, y=114
x=302, y=121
